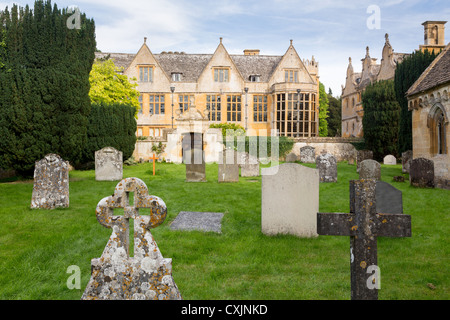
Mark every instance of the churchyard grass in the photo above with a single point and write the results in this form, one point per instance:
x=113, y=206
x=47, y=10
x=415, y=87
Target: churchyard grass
x=37, y=246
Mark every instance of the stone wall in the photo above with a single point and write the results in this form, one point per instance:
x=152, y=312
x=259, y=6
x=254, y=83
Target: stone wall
x=340, y=148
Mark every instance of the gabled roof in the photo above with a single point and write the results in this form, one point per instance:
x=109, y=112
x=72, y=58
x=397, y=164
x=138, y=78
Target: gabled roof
x=437, y=73
x=191, y=66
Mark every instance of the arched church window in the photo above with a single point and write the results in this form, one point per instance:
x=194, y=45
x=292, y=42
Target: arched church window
x=438, y=125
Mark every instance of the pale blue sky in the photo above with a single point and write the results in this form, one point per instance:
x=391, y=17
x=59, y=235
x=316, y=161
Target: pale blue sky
x=332, y=31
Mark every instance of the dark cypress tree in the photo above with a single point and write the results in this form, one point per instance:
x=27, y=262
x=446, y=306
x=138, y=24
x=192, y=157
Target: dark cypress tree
x=406, y=73
x=381, y=117
x=44, y=85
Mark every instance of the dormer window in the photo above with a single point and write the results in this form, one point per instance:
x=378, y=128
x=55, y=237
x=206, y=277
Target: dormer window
x=254, y=78
x=176, y=76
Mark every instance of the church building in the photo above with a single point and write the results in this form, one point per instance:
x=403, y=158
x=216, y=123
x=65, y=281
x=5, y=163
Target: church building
x=258, y=92
x=356, y=82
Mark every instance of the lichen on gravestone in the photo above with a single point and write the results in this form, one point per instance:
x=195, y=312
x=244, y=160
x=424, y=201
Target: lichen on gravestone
x=116, y=275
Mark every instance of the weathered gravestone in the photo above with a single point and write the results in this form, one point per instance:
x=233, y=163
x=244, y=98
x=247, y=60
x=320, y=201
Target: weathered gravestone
x=194, y=157
x=406, y=161
x=228, y=166
x=290, y=200
x=51, y=183
x=249, y=164
x=370, y=169
x=362, y=155
x=389, y=160
x=421, y=173
x=116, y=275
x=327, y=165
x=201, y=221
x=367, y=220
x=108, y=164
x=291, y=157
x=307, y=154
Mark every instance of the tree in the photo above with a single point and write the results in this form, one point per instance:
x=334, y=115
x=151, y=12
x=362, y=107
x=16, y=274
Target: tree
x=323, y=111
x=44, y=85
x=109, y=86
x=406, y=73
x=381, y=118
x=334, y=118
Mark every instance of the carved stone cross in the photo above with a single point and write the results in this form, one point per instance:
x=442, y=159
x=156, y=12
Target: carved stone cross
x=364, y=224
x=116, y=275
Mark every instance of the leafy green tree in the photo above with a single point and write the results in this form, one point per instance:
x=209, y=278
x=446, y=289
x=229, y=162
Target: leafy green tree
x=323, y=111
x=109, y=86
x=334, y=117
x=406, y=73
x=381, y=118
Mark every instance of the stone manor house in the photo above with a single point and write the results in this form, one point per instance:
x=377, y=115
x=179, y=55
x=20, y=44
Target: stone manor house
x=356, y=82
x=258, y=92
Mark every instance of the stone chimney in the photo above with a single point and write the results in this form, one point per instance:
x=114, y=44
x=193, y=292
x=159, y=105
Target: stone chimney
x=251, y=52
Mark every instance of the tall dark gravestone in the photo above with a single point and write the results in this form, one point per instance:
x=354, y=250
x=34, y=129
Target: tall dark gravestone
x=193, y=157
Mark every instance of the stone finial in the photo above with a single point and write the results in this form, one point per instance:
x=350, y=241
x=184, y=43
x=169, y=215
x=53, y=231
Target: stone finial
x=367, y=51
x=291, y=41
x=386, y=37
x=221, y=39
x=145, y=39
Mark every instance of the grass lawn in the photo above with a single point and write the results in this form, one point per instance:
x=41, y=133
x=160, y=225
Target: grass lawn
x=37, y=246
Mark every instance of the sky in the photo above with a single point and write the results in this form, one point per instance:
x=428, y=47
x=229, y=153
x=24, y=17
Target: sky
x=330, y=30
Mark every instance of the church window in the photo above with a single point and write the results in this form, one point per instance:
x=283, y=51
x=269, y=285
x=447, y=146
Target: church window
x=213, y=105
x=221, y=74
x=259, y=108
x=438, y=125
x=234, y=108
x=156, y=105
x=145, y=74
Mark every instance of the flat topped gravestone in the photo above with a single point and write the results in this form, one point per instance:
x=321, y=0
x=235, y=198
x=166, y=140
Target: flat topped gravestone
x=194, y=157
x=290, y=200
x=116, y=275
x=291, y=157
x=108, y=164
x=421, y=173
x=373, y=207
x=51, y=183
x=327, y=165
x=200, y=221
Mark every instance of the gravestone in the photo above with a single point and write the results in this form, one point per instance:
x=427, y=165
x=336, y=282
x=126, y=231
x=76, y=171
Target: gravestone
x=364, y=224
x=406, y=161
x=290, y=200
x=388, y=198
x=249, y=164
x=51, y=183
x=307, y=154
x=370, y=169
x=116, y=275
x=291, y=157
x=362, y=155
x=228, y=166
x=421, y=173
x=108, y=164
x=201, y=221
x=389, y=160
x=194, y=157
x=327, y=165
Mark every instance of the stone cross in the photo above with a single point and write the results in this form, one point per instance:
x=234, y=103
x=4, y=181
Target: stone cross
x=116, y=275
x=364, y=224
x=154, y=160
